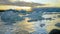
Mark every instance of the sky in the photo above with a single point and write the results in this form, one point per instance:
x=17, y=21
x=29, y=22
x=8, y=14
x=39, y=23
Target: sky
x=35, y=1
x=54, y=3
x=41, y=1
x=49, y=2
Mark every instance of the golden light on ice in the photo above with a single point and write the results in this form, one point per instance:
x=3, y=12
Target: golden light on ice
x=25, y=25
x=52, y=23
x=5, y=7
x=24, y=8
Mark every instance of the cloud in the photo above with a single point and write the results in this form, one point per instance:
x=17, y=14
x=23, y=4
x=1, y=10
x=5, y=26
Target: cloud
x=20, y=3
